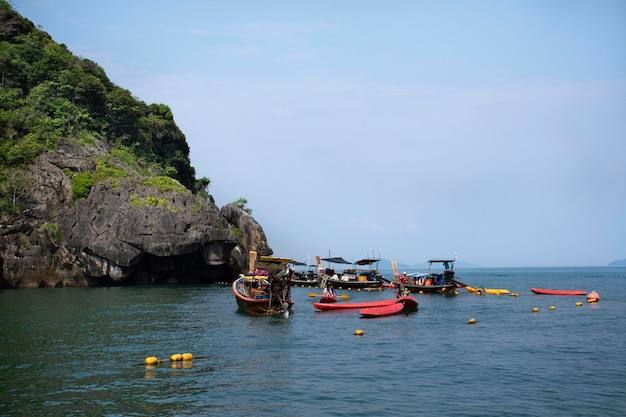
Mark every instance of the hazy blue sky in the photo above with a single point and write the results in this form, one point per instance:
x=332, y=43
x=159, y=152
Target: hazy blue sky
x=405, y=129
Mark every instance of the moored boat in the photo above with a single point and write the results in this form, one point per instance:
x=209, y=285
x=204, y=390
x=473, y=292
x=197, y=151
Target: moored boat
x=305, y=280
x=306, y=277
x=430, y=282
x=266, y=288
x=362, y=274
x=557, y=292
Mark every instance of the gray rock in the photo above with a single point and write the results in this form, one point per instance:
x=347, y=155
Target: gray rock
x=124, y=232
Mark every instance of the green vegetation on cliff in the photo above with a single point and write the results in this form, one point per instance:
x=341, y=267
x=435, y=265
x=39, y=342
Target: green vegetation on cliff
x=48, y=95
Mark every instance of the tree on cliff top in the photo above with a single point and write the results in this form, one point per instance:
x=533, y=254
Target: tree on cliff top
x=48, y=95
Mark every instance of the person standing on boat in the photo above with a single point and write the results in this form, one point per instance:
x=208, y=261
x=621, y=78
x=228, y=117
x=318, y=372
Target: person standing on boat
x=329, y=291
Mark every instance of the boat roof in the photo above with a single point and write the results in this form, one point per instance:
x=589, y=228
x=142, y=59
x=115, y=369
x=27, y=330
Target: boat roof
x=272, y=260
x=366, y=261
x=337, y=260
x=271, y=264
x=432, y=261
x=340, y=260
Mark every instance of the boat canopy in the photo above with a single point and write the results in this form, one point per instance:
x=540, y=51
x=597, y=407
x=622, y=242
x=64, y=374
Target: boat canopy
x=274, y=260
x=448, y=264
x=366, y=261
x=338, y=260
x=296, y=263
x=271, y=264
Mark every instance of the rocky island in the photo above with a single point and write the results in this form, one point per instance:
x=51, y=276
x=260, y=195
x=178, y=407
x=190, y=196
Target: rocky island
x=96, y=187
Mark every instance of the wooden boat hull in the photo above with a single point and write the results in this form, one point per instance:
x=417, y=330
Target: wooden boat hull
x=354, y=285
x=261, y=304
x=304, y=282
x=487, y=290
x=557, y=292
x=431, y=289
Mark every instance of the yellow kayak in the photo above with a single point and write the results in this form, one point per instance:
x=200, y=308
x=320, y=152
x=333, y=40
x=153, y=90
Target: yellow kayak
x=487, y=290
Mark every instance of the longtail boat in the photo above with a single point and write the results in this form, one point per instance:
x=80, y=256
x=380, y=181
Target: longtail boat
x=361, y=275
x=266, y=288
x=431, y=281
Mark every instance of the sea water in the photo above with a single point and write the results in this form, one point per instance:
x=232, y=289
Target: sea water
x=80, y=351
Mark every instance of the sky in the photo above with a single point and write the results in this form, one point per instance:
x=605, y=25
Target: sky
x=406, y=130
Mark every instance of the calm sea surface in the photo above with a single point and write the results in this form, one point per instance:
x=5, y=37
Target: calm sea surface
x=80, y=351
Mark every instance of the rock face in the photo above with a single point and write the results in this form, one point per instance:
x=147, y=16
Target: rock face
x=128, y=231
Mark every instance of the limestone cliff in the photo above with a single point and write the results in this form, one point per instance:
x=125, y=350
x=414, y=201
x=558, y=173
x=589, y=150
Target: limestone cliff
x=131, y=230
x=96, y=186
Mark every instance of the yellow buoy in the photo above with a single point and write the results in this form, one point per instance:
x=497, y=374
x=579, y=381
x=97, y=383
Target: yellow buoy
x=187, y=356
x=471, y=321
x=552, y=308
x=359, y=332
x=578, y=304
x=176, y=357
x=535, y=310
x=514, y=294
x=151, y=360
x=312, y=294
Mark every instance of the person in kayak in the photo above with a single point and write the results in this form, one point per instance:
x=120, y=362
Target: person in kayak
x=329, y=291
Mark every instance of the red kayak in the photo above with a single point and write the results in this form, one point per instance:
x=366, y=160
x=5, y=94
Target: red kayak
x=389, y=310
x=403, y=304
x=557, y=292
x=328, y=299
x=344, y=306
